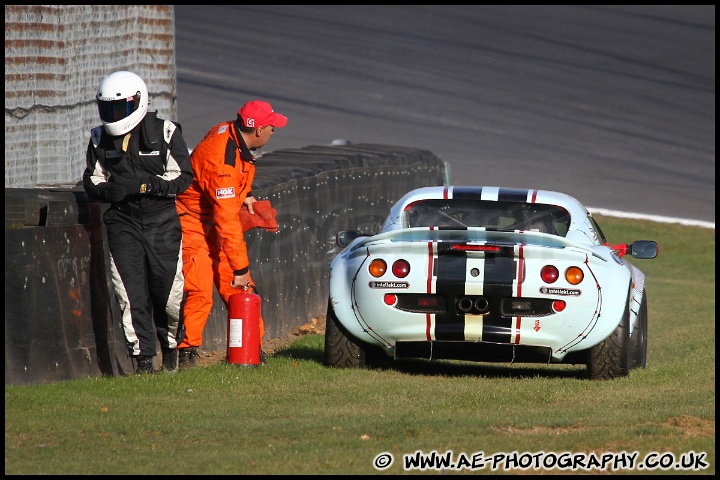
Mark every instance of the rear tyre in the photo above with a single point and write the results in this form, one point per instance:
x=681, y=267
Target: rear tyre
x=610, y=358
x=344, y=351
x=638, y=340
x=341, y=350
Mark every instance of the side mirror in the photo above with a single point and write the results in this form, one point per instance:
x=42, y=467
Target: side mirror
x=343, y=238
x=643, y=249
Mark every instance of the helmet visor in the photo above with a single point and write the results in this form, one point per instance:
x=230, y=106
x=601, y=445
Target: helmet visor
x=115, y=110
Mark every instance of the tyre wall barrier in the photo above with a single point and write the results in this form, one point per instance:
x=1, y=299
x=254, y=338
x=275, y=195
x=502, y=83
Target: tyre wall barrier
x=61, y=318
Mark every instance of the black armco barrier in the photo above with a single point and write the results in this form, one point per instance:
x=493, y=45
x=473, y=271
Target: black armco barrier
x=61, y=318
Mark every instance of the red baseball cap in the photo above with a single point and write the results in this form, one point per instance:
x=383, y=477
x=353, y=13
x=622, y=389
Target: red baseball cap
x=258, y=114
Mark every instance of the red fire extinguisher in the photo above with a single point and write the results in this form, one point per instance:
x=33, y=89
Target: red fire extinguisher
x=243, y=338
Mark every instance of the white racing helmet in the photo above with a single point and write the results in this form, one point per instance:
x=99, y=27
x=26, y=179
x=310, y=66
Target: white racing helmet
x=122, y=100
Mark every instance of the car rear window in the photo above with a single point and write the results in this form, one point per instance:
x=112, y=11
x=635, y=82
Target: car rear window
x=491, y=215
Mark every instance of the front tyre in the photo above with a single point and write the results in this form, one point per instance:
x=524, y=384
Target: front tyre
x=638, y=340
x=610, y=358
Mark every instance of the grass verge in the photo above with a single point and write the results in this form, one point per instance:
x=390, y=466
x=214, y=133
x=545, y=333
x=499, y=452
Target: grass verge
x=294, y=416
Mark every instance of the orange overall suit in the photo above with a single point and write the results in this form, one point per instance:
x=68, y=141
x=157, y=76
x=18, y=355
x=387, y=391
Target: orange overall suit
x=214, y=249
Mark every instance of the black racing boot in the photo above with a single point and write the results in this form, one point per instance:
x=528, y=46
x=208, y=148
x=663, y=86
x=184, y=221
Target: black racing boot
x=188, y=357
x=170, y=361
x=144, y=365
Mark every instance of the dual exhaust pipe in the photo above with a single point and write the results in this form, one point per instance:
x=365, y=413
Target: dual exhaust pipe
x=474, y=305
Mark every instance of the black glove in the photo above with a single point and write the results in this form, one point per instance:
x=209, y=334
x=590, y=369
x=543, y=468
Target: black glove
x=134, y=185
x=114, y=192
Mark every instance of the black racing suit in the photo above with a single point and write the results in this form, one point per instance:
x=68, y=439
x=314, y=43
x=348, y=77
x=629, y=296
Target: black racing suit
x=143, y=229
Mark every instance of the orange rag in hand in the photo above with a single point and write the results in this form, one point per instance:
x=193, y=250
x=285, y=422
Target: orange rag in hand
x=264, y=217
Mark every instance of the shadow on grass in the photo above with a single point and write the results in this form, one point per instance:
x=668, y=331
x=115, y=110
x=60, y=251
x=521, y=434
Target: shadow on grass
x=301, y=352
x=450, y=368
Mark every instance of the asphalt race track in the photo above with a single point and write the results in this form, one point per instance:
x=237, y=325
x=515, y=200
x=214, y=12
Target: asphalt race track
x=614, y=105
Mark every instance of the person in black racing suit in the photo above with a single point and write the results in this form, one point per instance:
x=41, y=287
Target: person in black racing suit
x=139, y=163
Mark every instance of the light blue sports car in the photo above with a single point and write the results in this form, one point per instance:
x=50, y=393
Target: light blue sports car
x=488, y=274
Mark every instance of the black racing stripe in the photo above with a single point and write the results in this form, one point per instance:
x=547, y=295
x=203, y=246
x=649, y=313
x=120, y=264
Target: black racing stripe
x=499, y=275
x=230, y=152
x=472, y=193
x=450, y=272
x=513, y=194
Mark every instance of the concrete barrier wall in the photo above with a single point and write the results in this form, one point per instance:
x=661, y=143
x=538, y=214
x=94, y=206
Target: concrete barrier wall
x=61, y=318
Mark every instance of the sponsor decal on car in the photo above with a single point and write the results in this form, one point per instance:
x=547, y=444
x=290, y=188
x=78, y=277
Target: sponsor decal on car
x=227, y=192
x=573, y=292
x=388, y=284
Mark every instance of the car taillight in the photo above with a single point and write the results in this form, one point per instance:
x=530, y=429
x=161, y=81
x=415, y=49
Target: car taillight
x=558, y=305
x=476, y=248
x=377, y=268
x=574, y=275
x=549, y=274
x=416, y=303
x=401, y=268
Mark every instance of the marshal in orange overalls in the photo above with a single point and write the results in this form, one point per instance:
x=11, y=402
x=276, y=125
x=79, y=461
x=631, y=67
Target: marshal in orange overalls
x=214, y=247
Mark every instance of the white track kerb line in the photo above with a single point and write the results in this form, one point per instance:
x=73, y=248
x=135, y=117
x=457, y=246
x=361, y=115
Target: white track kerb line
x=652, y=218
